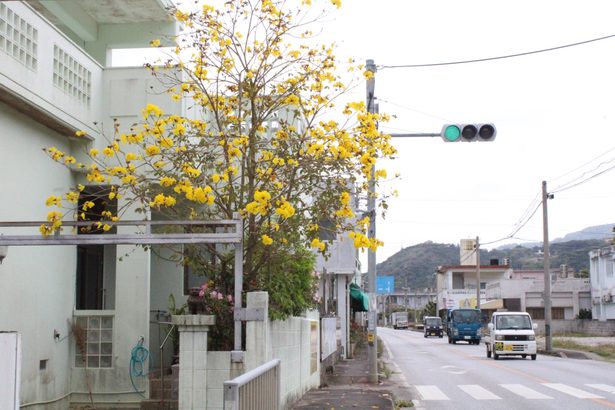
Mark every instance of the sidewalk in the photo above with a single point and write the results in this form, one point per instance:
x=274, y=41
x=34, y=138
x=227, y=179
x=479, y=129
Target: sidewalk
x=348, y=388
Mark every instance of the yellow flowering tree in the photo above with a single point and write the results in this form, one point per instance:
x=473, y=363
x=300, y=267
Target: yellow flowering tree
x=268, y=139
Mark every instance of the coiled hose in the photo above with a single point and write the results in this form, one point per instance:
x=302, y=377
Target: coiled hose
x=138, y=356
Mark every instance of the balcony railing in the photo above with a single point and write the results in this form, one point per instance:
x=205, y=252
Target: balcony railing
x=44, y=69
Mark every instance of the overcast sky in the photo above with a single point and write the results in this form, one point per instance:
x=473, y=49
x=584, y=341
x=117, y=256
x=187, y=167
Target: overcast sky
x=554, y=113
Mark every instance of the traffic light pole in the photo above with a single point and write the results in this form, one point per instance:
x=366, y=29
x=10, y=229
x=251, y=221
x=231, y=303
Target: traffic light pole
x=372, y=349
x=466, y=132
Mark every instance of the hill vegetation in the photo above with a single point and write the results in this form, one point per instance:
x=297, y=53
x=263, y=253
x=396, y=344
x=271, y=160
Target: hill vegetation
x=414, y=266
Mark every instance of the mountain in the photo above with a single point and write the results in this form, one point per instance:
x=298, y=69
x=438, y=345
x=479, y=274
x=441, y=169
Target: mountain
x=414, y=266
x=592, y=232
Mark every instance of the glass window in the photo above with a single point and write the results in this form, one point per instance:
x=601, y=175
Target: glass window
x=94, y=348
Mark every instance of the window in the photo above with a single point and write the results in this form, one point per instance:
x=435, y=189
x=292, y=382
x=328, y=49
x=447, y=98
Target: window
x=95, y=286
x=18, y=38
x=71, y=77
x=536, y=313
x=539, y=313
x=458, y=280
x=90, y=273
x=95, y=342
x=197, y=258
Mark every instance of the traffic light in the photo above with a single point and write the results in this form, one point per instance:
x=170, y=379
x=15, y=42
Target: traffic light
x=468, y=132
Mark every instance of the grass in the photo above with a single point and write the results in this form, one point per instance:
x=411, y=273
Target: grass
x=606, y=351
x=399, y=404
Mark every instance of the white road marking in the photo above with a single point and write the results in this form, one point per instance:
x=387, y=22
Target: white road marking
x=578, y=393
x=428, y=392
x=478, y=392
x=525, y=392
x=603, y=387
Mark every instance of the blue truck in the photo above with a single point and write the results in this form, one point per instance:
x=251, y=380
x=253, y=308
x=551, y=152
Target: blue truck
x=463, y=324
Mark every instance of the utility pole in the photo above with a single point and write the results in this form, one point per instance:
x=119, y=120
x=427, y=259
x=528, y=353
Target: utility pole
x=477, y=273
x=547, y=267
x=372, y=335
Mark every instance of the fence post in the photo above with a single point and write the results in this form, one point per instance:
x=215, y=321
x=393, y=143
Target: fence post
x=193, y=360
x=258, y=345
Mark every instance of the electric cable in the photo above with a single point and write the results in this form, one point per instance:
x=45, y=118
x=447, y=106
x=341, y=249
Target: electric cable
x=480, y=60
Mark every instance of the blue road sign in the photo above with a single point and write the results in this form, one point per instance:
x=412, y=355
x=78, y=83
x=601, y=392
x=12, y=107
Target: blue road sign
x=385, y=284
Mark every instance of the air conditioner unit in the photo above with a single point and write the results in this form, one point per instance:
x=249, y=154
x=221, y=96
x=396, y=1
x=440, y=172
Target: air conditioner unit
x=607, y=298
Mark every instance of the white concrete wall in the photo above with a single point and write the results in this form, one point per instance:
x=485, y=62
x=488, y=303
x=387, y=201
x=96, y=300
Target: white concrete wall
x=219, y=370
x=602, y=276
x=38, y=283
x=295, y=341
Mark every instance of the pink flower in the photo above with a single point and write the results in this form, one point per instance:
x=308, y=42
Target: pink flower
x=213, y=294
x=229, y=298
x=202, y=290
x=220, y=296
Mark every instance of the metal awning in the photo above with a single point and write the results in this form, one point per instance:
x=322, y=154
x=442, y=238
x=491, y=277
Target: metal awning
x=492, y=304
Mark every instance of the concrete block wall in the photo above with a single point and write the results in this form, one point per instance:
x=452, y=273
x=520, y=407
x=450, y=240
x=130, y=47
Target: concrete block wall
x=588, y=327
x=218, y=371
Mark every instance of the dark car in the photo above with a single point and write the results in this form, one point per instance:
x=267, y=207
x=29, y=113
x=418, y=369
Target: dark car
x=432, y=326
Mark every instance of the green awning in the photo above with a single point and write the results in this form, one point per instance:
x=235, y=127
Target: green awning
x=359, y=302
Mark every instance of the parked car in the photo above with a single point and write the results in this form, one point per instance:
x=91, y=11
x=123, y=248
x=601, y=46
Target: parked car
x=511, y=333
x=432, y=326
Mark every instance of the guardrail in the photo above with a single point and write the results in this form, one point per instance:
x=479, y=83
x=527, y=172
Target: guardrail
x=258, y=389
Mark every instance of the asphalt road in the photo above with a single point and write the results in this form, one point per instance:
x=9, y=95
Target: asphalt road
x=446, y=376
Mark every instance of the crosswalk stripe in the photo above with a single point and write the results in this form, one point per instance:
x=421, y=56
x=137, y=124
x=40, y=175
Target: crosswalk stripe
x=478, y=392
x=431, y=393
x=578, y=393
x=603, y=387
x=525, y=392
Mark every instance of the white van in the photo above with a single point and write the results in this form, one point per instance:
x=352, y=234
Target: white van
x=511, y=333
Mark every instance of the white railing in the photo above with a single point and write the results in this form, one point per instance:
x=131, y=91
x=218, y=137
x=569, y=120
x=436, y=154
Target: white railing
x=258, y=389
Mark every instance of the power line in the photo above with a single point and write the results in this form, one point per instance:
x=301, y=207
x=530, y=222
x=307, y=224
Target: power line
x=564, y=188
x=587, y=163
x=480, y=60
x=415, y=110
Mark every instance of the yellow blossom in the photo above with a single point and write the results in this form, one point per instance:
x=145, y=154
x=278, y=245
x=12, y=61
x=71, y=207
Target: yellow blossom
x=155, y=43
x=80, y=133
x=266, y=240
x=152, y=150
x=318, y=244
x=53, y=200
x=72, y=196
x=129, y=180
x=93, y=152
x=151, y=109
x=286, y=210
x=167, y=181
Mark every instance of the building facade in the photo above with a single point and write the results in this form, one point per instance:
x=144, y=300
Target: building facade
x=601, y=267
x=55, y=79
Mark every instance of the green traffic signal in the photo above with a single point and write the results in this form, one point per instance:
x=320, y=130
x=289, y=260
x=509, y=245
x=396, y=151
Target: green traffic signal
x=451, y=133
x=468, y=132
